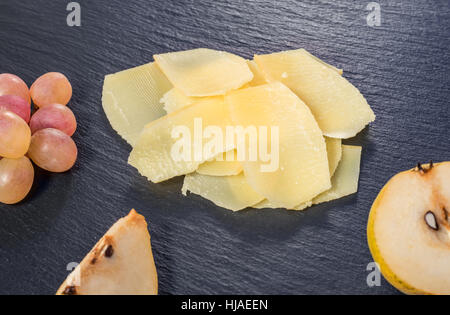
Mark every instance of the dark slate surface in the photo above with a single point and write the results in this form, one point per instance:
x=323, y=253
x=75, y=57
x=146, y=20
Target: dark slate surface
x=402, y=67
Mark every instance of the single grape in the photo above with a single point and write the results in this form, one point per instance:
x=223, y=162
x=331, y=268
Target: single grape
x=53, y=150
x=54, y=116
x=17, y=105
x=11, y=84
x=16, y=179
x=51, y=88
x=15, y=135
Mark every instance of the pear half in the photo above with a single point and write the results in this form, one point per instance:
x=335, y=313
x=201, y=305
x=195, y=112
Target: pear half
x=120, y=264
x=409, y=230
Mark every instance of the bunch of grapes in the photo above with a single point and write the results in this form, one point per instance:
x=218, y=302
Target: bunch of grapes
x=44, y=137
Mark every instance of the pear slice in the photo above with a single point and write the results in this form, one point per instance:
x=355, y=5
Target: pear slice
x=131, y=99
x=409, y=230
x=229, y=192
x=120, y=264
x=302, y=172
x=152, y=155
x=339, y=108
x=221, y=167
x=204, y=72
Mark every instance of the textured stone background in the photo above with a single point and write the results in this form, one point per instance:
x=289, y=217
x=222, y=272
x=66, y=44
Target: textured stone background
x=401, y=67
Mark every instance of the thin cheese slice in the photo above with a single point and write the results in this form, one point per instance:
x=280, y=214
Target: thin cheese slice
x=344, y=181
x=334, y=153
x=337, y=105
x=229, y=192
x=204, y=72
x=221, y=166
x=175, y=100
x=152, y=155
x=131, y=99
x=258, y=76
x=337, y=70
x=302, y=172
x=266, y=204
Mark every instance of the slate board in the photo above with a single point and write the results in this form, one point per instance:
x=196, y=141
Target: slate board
x=402, y=67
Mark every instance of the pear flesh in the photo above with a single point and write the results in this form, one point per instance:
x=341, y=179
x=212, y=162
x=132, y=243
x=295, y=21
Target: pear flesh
x=120, y=264
x=409, y=230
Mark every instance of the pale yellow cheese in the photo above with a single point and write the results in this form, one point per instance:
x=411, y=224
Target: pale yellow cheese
x=229, y=192
x=266, y=204
x=131, y=99
x=204, y=72
x=339, y=108
x=345, y=180
x=175, y=100
x=303, y=170
x=258, y=76
x=152, y=155
x=221, y=166
x=334, y=153
x=312, y=106
x=337, y=70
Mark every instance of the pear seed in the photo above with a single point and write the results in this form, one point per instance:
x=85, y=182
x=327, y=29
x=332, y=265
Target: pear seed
x=431, y=221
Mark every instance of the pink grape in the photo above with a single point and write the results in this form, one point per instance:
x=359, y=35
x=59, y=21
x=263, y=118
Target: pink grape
x=54, y=116
x=15, y=135
x=16, y=179
x=17, y=105
x=11, y=84
x=53, y=150
x=51, y=88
